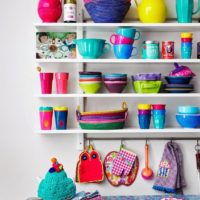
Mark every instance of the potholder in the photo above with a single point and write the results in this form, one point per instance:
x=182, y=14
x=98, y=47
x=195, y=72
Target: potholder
x=89, y=168
x=119, y=180
x=123, y=163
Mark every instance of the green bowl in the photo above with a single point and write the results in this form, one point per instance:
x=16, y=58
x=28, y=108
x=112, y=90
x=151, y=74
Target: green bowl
x=143, y=87
x=103, y=126
x=91, y=88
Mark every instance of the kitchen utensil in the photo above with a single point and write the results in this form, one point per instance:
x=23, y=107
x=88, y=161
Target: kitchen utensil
x=147, y=172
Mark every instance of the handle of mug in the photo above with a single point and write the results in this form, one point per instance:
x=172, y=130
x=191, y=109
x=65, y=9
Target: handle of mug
x=198, y=8
x=107, y=48
x=139, y=34
x=111, y=38
x=136, y=51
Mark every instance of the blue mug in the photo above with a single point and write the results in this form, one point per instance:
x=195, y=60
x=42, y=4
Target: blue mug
x=186, y=50
x=129, y=32
x=124, y=51
x=185, y=10
x=144, y=121
x=159, y=121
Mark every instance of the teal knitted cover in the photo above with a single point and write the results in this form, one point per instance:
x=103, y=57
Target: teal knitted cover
x=56, y=186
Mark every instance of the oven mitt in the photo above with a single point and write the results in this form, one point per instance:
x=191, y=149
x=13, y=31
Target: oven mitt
x=89, y=167
x=123, y=163
x=119, y=180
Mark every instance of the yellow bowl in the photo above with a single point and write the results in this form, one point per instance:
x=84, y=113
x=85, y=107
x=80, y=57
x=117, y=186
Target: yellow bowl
x=144, y=106
x=186, y=35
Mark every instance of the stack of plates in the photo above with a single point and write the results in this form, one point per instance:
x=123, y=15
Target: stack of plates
x=178, y=84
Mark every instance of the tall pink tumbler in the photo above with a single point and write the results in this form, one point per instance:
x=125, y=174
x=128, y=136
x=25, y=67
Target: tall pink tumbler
x=46, y=82
x=62, y=82
x=46, y=114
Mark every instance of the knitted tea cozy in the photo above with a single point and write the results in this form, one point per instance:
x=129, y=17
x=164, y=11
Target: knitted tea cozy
x=56, y=185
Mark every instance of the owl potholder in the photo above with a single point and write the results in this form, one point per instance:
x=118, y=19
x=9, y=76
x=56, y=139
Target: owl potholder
x=89, y=168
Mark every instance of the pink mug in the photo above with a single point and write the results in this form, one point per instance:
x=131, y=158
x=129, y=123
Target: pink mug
x=46, y=82
x=120, y=39
x=62, y=82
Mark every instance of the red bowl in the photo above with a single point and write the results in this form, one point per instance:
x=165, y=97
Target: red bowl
x=158, y=106
x=92, y=79
x=186, y=39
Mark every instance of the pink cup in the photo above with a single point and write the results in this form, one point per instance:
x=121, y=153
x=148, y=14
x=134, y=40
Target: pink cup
x=62, y=82
x=46, y=114
x=46, y=82
x=120, y=39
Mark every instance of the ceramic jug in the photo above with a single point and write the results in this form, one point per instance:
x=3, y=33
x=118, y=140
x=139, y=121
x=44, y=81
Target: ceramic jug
x=188, y=7
x=151, y=11
x=49, y=10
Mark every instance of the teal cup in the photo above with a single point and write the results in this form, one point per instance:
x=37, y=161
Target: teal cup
x=185, y=10
x=186, y=50
x=129, y=32
x=92, y=48
x=159, y=121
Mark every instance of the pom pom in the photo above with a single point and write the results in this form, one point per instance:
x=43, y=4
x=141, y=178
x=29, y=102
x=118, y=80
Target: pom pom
x=54, y=160
x=52, y=170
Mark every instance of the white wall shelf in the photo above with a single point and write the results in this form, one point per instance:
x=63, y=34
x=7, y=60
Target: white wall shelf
x=133, y=131
x=122, y=95
x=110, y=27
x=124, y=61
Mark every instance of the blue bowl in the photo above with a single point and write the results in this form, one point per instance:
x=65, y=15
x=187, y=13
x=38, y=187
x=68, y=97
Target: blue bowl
x=115, y=75
x=178, y=79
x=188, y=110
x=188, y=120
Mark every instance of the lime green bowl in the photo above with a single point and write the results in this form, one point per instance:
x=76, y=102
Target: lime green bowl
x=144, y=87
x=90, y=88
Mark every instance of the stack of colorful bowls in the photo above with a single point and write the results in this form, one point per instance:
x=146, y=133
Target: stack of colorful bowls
x=179, y=80
x=115, y=83
x=90, y=82
x=123, y=42
x=186, y=45
x=144, y=115
x=147, y=83
x=103, y=120
x=188, y=116
x=158, y=111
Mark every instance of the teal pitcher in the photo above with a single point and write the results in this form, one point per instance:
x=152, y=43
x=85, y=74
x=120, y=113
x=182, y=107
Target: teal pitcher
x=185, y=10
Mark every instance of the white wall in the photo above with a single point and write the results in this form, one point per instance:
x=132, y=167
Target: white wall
x=25, y=154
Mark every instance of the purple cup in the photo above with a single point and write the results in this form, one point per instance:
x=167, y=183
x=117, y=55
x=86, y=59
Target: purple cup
x=144, y=112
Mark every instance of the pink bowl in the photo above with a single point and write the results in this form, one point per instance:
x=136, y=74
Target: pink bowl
x=115, y=82
x=120, y=39
x=158, y=106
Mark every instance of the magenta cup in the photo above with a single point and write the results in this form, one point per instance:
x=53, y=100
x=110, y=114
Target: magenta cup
x=46, y=114
x=120, y=39
x=144, y=112
x=62, y=82
x=46, y=82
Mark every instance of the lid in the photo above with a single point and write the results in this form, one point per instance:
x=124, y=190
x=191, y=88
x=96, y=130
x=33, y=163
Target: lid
x=60, y=108
x=47, y=109
x=151, y=42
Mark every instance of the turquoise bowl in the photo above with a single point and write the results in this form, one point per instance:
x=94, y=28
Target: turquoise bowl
x=92, y=48
x=188, y=110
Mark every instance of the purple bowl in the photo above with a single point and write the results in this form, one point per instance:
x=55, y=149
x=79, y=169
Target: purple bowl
x=90, y=73
x=147, y=77
x=121, y=116
x=115, y=87
x=144, y=112
x=115, y=79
